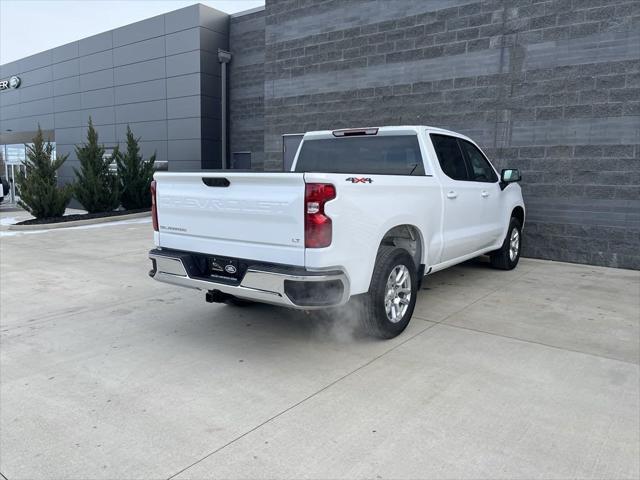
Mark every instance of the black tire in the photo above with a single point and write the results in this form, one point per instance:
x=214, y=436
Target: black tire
x=373, y=313
x=501, y=258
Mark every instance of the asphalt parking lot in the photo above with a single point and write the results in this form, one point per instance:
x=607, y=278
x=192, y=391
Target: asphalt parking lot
x=532, y=373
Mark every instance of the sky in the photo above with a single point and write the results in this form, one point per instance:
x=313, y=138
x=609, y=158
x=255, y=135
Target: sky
x=31, y=26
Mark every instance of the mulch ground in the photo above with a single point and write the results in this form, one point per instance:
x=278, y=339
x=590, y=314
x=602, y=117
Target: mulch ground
x=81, y=216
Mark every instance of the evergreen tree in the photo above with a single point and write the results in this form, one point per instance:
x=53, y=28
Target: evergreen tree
x=96, y=187
x=38, y=184
x=135, y=175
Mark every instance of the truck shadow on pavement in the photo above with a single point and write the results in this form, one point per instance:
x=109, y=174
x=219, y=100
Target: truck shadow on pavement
x=339, y=325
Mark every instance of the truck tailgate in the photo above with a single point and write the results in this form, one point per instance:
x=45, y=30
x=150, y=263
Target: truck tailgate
x=250, y=215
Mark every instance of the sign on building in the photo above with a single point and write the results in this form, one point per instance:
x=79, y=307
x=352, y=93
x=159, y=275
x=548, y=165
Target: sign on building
x=13, y=82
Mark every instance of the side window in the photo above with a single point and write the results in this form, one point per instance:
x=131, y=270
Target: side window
x=481, y=170
x=450, y=156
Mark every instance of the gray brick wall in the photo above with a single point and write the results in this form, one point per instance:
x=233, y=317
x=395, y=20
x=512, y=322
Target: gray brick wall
x=246, y=80
x=551, y=87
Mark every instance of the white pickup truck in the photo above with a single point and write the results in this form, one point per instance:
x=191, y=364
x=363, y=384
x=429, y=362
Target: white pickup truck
x=362, y=217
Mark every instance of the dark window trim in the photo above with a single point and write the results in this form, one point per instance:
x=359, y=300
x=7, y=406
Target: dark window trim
x=464, y=157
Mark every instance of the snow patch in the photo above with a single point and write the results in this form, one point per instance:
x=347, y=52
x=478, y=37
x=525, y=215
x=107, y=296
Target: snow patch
x=9, y=220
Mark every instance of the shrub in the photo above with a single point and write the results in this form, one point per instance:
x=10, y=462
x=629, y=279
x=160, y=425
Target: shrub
x=134, y=175
x=38, y=184
x=96, y=187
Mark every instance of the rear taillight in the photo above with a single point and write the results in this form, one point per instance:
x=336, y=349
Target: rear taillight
x=317, y=226
x=154, y=209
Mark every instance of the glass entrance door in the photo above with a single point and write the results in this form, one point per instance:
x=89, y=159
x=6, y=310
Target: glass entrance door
x=13, y=156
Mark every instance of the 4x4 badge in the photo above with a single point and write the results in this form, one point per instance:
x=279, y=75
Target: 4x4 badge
x=359, y=180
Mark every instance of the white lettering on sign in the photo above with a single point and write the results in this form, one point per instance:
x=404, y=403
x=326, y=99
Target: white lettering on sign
x=13, y=82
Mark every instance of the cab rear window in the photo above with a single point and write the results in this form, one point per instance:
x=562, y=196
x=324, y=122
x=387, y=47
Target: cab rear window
x=382, y=155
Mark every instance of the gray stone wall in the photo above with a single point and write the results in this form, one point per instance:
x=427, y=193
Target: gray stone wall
x=161, y=76
x=246, y=92
x=551, y=87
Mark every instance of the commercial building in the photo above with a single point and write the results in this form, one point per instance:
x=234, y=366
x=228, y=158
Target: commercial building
x=551, y=87
x=161, y=76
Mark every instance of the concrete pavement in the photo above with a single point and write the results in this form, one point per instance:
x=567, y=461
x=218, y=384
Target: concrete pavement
x=104, y=373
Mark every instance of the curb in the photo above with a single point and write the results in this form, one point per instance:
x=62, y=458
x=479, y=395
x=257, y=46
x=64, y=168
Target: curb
x=76, y=223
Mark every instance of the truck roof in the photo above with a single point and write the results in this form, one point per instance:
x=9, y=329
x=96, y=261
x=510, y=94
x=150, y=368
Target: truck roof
x=386, y=130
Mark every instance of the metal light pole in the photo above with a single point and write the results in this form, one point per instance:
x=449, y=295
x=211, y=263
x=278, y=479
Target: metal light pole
x=224, y=57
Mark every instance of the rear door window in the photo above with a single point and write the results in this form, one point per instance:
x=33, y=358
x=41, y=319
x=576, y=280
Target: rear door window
x=480, y=168
x=381, y=155
x=450, y=157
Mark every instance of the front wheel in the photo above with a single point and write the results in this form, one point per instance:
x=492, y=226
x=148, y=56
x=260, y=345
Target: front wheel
x=388, y=306
x=506, y=258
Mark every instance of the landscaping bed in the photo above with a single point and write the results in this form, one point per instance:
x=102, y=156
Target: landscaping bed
x=81, y=216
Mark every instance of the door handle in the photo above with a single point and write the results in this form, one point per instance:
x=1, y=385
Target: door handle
x=484, y=194
x=451, y=194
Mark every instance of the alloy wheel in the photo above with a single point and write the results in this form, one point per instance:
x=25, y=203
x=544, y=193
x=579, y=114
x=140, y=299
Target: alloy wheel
x=398, y=293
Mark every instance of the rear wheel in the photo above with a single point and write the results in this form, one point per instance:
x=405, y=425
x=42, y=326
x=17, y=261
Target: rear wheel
x=506, y=258
x=388, y=306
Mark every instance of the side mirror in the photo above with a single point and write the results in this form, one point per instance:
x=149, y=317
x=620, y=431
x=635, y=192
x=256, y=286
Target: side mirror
x=509, y=175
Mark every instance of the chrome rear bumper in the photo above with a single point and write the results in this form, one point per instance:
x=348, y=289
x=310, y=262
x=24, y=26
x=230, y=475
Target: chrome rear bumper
x=261, y=284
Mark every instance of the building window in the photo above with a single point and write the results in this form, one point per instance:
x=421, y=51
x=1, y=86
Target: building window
x=15, y=154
